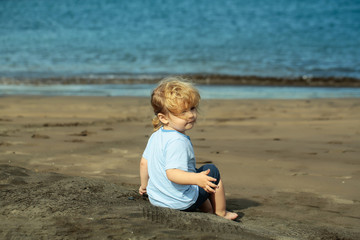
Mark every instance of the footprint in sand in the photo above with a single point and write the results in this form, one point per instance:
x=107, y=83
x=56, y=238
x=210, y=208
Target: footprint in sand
x=39, y=136
x=74, y=140
x=5, y=144
x=5, y=120
x=312, y=153
x=82, y=134
x=215, y=152
x=348, y=150
x=299, y=174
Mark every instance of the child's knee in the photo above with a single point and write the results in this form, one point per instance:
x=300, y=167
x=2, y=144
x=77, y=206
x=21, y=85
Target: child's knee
x=214, y=171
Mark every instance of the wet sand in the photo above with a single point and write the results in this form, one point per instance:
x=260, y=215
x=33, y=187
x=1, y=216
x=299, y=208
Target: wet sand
x=69, y=169
x=201, y=79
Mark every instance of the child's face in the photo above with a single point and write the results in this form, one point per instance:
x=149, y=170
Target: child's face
x=185, y=121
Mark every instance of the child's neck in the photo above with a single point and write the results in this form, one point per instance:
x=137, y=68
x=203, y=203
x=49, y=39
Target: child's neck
x=170, y=128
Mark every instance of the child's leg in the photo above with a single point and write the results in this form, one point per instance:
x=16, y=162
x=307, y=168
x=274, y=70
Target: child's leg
x=206, y=207
x=218, y=203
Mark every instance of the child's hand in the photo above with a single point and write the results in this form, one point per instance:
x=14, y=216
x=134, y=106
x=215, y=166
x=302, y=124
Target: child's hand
x=142, y=190
x=206, y=182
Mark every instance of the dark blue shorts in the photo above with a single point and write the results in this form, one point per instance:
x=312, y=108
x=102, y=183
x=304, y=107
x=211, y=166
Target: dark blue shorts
x=203, y=195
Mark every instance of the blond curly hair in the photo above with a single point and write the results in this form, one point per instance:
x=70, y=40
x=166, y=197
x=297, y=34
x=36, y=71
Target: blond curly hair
x=173, y=95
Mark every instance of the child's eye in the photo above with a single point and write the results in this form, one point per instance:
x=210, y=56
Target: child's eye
x=185, y=111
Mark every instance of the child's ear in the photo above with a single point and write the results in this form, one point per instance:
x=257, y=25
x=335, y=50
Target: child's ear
x=163, y=118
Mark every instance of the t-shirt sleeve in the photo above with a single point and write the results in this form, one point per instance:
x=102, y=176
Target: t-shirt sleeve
x=176, y=155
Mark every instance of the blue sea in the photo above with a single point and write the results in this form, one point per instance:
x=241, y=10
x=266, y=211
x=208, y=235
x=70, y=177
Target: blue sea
x=108, y=39
x=206, y=91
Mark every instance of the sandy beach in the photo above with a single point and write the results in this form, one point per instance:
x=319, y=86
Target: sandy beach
x=69, y=169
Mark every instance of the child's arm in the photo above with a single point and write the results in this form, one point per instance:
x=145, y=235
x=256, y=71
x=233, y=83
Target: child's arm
x=189, y=178
x=144, y=175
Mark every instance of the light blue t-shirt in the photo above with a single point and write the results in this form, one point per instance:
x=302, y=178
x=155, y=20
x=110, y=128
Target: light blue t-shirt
x=169, y=149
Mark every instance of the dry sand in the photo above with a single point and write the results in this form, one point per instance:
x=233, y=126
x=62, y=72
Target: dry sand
x=69, y=169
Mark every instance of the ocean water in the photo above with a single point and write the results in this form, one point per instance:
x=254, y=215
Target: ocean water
x=206, y=91
x=113, y=38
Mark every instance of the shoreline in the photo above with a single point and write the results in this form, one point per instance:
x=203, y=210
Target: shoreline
x=201, y=79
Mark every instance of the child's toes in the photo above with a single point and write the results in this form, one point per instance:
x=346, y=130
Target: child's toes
x=231, y=215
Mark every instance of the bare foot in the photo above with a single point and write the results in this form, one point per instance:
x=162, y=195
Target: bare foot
x=229, y=215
